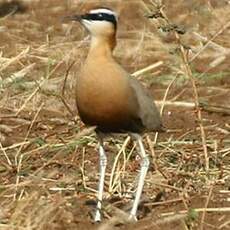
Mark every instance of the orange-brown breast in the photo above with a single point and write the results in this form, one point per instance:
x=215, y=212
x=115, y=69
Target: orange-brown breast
x=104, y=96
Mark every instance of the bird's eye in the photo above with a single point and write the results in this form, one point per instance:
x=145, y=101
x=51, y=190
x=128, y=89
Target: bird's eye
x=100, y=15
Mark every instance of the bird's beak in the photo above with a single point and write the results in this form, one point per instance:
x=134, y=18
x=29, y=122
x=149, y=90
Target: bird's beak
x=77, y=18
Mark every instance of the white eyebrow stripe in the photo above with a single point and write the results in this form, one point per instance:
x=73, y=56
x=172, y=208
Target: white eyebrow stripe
x=101, y=10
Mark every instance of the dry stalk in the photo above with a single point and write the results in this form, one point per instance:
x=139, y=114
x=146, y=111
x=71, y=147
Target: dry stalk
x=147, y=69
x=18, y=163
x=151, y=145
x=17, y=76
x=205, y=207
x=28, y=132
x=15, y=59
x=154, y=161
x=167, y=202
x=198, y=210
x=83, y=173
x=114, y=176
x=38, y=88
x=83, y=133
x=176, y=103
x=225, y=225
x=12, y=186
x=62, y=96
x=5, y=154
x=210, y=41
x=207, y=107
x=163, y=102
x=188, y=72
x=216, y=108
x=168, y=186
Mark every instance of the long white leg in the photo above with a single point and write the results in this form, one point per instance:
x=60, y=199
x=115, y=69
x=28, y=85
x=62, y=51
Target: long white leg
x=142, y=174
x=102, y=168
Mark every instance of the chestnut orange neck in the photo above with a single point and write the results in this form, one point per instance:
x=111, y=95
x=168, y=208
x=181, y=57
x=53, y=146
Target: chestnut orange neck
x=102, y=46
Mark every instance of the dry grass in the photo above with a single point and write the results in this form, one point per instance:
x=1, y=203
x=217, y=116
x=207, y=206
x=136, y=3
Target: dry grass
x=48, y=160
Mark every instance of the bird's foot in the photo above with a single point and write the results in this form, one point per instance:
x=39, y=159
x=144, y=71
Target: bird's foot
x=132, y=218
x=97, y=217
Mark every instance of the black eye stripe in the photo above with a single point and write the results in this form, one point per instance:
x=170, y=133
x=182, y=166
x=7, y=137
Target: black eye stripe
x=101, y=17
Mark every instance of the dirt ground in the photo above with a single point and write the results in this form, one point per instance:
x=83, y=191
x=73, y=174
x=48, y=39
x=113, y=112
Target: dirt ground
x=48, y=158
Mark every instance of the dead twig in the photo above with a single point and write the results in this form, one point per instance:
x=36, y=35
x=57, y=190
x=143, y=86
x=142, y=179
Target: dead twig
x=219, y=210
x=223, y=28
x=215, y=108
x=188, y=72
x=18, y=162
x=147, y=69
x=205, y=208
x=62, y=96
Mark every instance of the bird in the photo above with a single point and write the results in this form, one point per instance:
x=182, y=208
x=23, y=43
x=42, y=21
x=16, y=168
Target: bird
x=110, y=99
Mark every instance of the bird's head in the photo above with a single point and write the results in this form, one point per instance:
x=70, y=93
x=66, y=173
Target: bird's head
x=98, y=21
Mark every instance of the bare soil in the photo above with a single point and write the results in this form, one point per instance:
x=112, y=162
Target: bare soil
x=48, y=158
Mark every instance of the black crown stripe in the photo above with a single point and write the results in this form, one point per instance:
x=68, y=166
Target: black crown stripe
x=101, y=17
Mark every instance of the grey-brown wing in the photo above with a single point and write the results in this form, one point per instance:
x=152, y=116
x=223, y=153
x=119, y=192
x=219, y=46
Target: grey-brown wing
x=148, y=111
